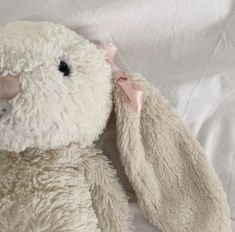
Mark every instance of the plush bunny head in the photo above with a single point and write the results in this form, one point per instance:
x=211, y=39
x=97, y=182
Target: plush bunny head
x=55, y=87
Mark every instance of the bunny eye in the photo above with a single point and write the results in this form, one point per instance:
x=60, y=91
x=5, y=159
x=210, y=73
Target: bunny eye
x=64, y=68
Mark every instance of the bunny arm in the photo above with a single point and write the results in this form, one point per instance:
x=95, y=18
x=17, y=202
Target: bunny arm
x=44, y=191
x=109, y=199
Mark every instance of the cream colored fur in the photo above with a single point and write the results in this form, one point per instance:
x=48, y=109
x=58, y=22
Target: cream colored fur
x=53, y=110
x=54, y=179
x=70, y=189
x=181, y=191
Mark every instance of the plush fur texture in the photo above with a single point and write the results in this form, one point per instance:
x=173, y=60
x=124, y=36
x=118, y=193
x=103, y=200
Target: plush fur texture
x=70, y=189
x=52, y=110
x=181, y=191
x=54, y=179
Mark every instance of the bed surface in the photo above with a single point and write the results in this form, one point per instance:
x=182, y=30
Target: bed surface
x=185, y=47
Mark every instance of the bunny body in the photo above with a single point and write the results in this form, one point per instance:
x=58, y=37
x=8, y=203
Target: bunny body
x=60, y=190
x=56, y=96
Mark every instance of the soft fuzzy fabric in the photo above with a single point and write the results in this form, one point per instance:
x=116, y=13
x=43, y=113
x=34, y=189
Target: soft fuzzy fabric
x=52, y=176
x=181, y=191
x=52, y=110
x=71, y=189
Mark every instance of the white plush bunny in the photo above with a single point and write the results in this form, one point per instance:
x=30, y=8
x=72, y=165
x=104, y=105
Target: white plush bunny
x=57, y=93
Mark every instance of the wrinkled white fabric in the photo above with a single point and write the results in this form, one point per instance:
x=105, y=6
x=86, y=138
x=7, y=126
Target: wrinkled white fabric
x=185, y=47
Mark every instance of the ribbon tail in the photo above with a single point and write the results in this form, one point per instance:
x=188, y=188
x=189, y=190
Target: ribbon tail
x=132, y=91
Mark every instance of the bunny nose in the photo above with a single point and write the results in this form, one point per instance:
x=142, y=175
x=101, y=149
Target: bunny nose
x=9, y=87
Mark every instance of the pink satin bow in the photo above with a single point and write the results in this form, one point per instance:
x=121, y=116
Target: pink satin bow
x=133, y=92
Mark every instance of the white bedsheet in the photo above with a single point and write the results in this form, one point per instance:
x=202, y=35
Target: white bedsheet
x=185, y=47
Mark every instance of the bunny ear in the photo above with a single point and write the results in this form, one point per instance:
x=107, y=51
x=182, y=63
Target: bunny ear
x=174, y=183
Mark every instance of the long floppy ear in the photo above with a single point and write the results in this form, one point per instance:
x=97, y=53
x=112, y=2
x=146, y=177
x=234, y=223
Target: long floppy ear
x=174, y=183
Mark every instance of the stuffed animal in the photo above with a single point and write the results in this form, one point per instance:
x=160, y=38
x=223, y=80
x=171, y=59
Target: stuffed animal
x=57, y=91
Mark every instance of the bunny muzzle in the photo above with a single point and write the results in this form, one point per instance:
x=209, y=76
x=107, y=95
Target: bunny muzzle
x=9, y=87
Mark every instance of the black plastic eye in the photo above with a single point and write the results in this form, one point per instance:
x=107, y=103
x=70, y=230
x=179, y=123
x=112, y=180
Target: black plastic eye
x=64, y=68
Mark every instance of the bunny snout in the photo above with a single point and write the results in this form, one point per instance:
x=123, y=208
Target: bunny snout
x=9, y=87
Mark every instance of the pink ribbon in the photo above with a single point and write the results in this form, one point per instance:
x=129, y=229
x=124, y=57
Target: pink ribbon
x=133, y=91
